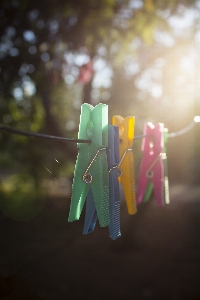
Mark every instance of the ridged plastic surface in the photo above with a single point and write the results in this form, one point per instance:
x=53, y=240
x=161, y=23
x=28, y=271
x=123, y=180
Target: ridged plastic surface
x=94, y=126
x=127, y=178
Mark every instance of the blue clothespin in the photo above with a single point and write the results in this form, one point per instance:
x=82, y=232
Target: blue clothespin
x=114, y=199
x=114, y=196
x=90, y=214
x=91, y=169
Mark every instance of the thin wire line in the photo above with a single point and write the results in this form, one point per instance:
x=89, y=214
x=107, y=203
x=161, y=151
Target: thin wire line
x=182, y=131
x=87, y=177
x=44, y=136
x=141, y=136
x=174, y=134
x=63, y=139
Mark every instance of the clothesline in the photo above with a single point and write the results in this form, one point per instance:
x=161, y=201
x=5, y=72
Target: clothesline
x=64, y=139
x=113, y=165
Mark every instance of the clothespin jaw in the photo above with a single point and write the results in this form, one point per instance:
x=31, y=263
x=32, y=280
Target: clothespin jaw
x=114, y=200
x=91, y=169
x=126, y=166
x=151, y=174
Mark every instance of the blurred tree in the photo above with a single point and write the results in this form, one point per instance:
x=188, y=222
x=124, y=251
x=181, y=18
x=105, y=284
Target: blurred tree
x=44, y=45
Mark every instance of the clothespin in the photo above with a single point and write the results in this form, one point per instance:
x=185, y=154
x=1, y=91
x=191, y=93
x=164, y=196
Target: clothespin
x=152, y=171
x=91, y=169
x=90, y=214
x=149, y=188
x=126, y=165
x=114, y=200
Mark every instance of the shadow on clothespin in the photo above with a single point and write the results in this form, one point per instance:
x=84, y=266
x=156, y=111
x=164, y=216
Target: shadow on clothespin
x=91, y=169
x=126, y=165
x=153, y=173
x=114, y=200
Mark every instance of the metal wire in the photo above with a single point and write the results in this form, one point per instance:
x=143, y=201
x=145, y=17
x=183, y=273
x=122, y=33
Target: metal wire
x=39, y=135
x=182, y=131
x=63, y=139
x=87, y=177
x=123, y=156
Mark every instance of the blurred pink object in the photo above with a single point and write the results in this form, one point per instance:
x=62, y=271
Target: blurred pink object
x=152, y=167
x=86, y=72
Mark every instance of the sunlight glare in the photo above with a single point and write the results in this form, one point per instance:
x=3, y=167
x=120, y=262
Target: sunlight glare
x=197, y=119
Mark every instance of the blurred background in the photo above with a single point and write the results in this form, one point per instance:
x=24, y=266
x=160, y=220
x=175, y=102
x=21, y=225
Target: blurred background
x=141, y=58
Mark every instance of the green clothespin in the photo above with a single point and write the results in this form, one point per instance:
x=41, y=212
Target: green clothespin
x=91, y=169
x=166, y=181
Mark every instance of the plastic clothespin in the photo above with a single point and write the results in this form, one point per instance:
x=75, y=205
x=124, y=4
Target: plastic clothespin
x=91, y=169
x=152, y=170
x=90, y=214
x=149, y=189
x=126, y=165
x=114, y=200
x=113, y=163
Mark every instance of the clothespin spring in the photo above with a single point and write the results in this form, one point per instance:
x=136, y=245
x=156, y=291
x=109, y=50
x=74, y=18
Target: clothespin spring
x=149, y=172
x=87, y=177
x=123, y=156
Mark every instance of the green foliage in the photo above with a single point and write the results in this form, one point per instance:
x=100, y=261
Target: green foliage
x=36, y=37
x=19, y=199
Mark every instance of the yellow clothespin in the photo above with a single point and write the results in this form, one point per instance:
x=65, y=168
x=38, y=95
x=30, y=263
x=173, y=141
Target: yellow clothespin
x=126, y=165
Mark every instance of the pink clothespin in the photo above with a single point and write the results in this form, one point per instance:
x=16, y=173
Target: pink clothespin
x=152, y=167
